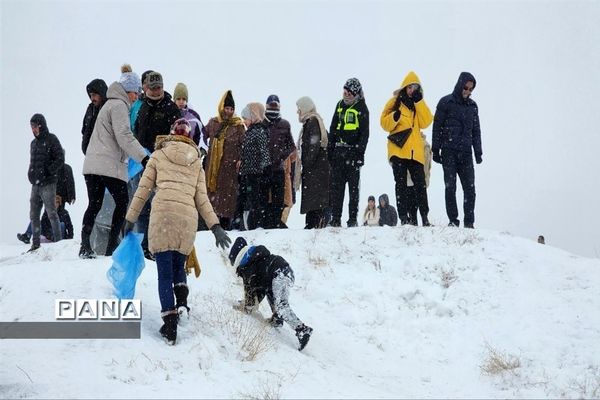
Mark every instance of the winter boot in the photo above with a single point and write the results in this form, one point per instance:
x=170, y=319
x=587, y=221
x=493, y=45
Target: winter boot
x=454, y=224
x=275, y=321
x=23, y=237
x=335, y=223
x=169, y=328
x=181, y=294
x=351, y=223
x=33, y=247
x=303, y=333
x=469, y=225
x=85, y=251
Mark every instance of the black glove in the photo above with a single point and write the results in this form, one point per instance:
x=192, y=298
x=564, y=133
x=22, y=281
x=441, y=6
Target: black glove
x=145, y=161
x=128, y=227
x=478, y=158
x=437, y=157
x=221, y=238
x=417, y=96
x=396, y=115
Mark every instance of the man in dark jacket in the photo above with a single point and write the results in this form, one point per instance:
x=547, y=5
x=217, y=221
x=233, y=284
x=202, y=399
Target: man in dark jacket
x=281, y=145
x=455, y=132
x=65, y=193
x=387, y=213
x=267, y=275
x=348, y=138
x=46, y=158
x=96, y=91
x=156, y=116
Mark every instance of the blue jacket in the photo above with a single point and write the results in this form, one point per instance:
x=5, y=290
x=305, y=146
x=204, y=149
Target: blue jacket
x=456, y=121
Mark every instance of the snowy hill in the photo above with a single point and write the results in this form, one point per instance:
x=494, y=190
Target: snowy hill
x=397, y=312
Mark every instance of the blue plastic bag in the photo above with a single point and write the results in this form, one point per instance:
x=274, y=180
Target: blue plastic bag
x=128, y=263
x=134, y=167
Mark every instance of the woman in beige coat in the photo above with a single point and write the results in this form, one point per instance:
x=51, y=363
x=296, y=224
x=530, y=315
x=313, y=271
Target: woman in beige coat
x=175, y=173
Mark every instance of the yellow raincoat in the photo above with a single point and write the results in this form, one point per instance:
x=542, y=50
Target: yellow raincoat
x=421, y=118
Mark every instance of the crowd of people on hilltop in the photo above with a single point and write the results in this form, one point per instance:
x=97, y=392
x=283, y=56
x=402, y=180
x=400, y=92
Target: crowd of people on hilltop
x=153, y=166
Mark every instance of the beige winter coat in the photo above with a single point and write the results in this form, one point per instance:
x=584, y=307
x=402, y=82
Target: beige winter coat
x=112, y=142
x=371, y=217
x=175, y=170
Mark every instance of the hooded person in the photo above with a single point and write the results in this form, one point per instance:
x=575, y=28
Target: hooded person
x=46, y=160
x=255, y=162
x=226, y=133
x=456, y=136
x=403, y=116
x=267, y=275
x=175, y=174
x=105, y=163
x=348, y=138
x=387, y=213
x=96, y=91
x=312, y=166
x=281, y=146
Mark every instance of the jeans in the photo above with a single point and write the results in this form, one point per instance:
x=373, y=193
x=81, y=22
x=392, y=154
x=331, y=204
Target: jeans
x=171, y=271
x=43, y=196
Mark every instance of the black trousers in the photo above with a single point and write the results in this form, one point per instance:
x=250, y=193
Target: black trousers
x=96, y=185
x=344, y=171
x=276, y=183
x=461, y=164
x=256, y=193
x=400, y=166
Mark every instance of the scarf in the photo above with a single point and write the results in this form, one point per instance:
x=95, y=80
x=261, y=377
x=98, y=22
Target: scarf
x=324, y=142
x=216, y=154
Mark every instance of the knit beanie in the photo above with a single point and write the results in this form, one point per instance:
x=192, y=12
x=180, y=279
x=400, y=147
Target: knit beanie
x=238, y=245
x=371, y=198
x=273, y=100
x=180, y=92
x=229, y=100
x=353, y=86
x=130, y=80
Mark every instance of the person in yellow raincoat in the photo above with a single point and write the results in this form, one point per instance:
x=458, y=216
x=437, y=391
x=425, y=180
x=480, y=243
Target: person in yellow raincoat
x=403, y=117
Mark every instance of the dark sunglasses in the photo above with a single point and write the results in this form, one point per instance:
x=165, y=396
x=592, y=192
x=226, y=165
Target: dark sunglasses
x=413, y=86
x=469, y=89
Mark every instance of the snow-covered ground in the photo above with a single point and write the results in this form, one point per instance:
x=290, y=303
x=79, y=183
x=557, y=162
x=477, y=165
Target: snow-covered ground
x=399, y=312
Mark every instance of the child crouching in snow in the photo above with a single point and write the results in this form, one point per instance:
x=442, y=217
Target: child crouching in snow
x=175, y=173
x=266, y=274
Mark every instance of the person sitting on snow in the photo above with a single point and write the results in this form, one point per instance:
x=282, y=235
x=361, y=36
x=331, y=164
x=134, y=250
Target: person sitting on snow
x=266, y=274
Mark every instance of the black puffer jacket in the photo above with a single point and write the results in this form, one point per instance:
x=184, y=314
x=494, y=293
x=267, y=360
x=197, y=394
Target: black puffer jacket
x=97, y=86
x=65, y=187
x=46, y=155
x=257, y=270
x=456, y=121
x=155, y=118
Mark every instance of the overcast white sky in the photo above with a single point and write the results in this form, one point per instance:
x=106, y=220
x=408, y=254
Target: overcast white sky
x=536, y=64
